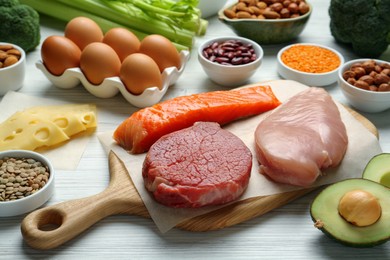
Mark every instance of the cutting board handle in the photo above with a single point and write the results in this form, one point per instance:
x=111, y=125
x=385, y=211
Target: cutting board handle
x=54, y=225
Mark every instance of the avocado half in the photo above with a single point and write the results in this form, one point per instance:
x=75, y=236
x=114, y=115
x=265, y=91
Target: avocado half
x=378, y=169
x=324, y=212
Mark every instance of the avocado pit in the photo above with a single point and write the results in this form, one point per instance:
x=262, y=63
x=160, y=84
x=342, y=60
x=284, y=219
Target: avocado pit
x=360, y=208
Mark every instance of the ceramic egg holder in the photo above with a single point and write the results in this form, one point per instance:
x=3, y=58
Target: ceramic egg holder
x=111, y=86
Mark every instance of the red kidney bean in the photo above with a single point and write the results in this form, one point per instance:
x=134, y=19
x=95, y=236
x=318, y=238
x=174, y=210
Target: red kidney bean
x=230, y=52
x=222, y=59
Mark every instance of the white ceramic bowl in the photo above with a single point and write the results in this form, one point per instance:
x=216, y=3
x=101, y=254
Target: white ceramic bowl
x=310, y=79
x=210, y=7
x=363, y=100
x=35, y=200
x=12, y=77
x=233, y=75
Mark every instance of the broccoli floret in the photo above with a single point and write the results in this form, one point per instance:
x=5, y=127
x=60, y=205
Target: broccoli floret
x=365, y=24
x=19, y=24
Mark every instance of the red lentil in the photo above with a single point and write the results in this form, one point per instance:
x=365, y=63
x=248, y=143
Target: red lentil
x=310, y=58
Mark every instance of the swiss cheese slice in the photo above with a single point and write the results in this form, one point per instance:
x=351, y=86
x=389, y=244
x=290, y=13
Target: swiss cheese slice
x=72, y=119
x=45, y=126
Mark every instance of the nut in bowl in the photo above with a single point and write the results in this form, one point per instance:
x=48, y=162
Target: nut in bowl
x=310, y=64
x=267, y=22
x=26, y=183
x=365, y=84
x=230, y=61
x=12, y=67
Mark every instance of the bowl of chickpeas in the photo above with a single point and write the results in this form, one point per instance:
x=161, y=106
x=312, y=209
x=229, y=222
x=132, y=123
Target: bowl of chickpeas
x=267, y=21
x=365, y=84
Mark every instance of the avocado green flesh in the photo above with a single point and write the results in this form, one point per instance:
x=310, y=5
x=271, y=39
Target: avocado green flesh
x=378, y=169
x=325, y=209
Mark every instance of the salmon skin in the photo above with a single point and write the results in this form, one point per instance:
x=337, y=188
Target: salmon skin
x=143, y=128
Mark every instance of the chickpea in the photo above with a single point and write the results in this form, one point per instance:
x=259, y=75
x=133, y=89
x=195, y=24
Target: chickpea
x=368, y=79
x=359, y=71
x=386, y=66
x=357, y=64
x=351, y=81
x=385, y=72
x=368, y=66
x=373, y=73
x=373, y=88
x=378, y=68
x=361, y=84
x=384, y=87
x=349, y=74
x=381, y=78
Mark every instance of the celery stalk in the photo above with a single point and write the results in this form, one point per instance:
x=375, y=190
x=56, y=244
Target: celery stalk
x=109, y=14
x=180, y=14
x=138, y=22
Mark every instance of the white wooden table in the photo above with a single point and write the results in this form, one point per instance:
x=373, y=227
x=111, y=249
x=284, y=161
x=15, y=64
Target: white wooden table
x=285, y=233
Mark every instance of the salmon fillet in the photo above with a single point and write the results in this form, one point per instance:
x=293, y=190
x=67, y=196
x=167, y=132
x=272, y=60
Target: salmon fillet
x=302, y=137
x=144, y=127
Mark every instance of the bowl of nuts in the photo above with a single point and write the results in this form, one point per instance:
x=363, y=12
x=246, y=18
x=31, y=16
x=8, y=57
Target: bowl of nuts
x=12, y=67
x=26, y=181
x=230, y=61
x=267, y=21
x=365, y=84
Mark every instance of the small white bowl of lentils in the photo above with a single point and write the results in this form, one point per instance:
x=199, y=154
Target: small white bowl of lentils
x=26, y=181
x=309, y=63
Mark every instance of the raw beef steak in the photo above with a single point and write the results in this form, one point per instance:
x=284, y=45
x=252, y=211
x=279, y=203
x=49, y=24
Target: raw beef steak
x=197, y=166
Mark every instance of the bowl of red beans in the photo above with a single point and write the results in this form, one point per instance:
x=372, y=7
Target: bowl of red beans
x=365, y=83
x=230, y=61
x=309, y=63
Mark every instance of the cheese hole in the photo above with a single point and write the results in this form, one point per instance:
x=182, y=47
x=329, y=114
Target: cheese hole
x=61, y=122
x=12, y=137
x=42, y=134
x=88, y=118
x=33, y=122
x=9, y=138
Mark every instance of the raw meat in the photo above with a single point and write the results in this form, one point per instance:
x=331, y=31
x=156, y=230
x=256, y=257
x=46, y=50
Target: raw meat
x=197, y=166
x=138, y=132
x=300, y=138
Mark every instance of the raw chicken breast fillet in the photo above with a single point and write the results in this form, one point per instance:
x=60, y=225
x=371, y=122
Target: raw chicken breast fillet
x=300, y=138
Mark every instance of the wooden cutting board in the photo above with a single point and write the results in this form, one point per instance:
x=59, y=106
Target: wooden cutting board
x=54, y=225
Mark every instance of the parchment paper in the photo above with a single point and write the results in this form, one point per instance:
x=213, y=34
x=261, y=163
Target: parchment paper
x=65, y=156
x=362, y=146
